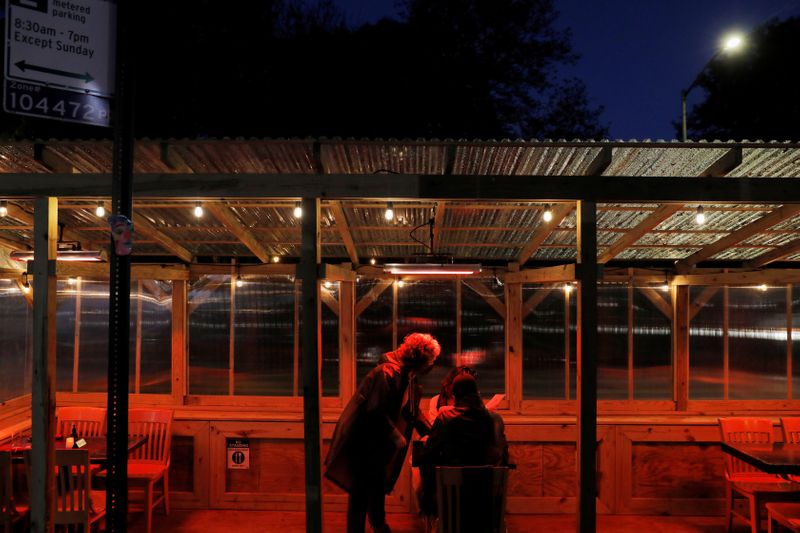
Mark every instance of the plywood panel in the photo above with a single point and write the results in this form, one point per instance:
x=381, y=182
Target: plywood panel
x=276, y=466
x=526, y=480
x=559, y=470
x=670, y=470
x=181, y=464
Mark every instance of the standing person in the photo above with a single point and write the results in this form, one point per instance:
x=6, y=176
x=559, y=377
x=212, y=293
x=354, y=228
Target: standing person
x=373, y=432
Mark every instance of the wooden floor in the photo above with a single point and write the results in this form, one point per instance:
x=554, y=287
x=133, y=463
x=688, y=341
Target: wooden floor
x=291, y=522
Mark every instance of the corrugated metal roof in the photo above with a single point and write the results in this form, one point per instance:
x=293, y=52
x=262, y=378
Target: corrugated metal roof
x=469, y=230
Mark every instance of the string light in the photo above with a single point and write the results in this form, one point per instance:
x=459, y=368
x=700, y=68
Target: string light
x=401, y=283
x=665, y=287
x=568, y=288
x=239, y=282
x=100, y=211
x=72, y=281
x=3, y=208
x=389, y=213
x=763, y=287
x=373, y=261
x=298, y=210
x=276, y=259
x=26, y=287
x=700, y=217
x=547, y=216
x=328, y=284
x=198, y=210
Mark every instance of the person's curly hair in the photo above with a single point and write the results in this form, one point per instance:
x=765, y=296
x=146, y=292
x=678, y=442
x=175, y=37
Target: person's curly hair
x=418, y=350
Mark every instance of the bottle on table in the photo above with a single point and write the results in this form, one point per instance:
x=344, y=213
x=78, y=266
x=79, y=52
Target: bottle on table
x=74, y=435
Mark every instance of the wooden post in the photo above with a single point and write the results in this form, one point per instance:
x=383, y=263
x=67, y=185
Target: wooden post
x=514, y=345
x=347, y=340
x=45, y=227
x=630, y=336
x=308, y=271
x=180, y=329
x=458, y=321
x=726, y=357
x=789, y=369
x=587, y=367
x=76, y=338
x=681, y=345
x=567, y=345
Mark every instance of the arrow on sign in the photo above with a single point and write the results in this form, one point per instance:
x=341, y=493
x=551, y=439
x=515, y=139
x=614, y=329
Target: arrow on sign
x=86, y=77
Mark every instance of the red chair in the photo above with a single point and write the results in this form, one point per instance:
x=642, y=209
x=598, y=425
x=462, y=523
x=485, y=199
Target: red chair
x=88, y=421
x=741, y=478
x=791, y=429
x=76, y=502
x=785, y=514
x=150, y=463
x=12, y=512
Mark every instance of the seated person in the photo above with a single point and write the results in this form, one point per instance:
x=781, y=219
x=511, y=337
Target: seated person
x=466, y=435
x=445, y=399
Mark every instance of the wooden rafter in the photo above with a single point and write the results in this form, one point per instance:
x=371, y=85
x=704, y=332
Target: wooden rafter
x=328, y=299
x=781, y=252
x=344, y=230
x=172, y=159
x=227, y=218
x=702, y=299
x=372, y=295
x=775, y=217
x=543, y=231
x=655, y=218
x=553, y=274
x=14, y=245
x=657, y=299
x=486, y=293
x=144, y=227
x=438, y=224
x=718, y=168
x=67, y=234
x=600, y=162
x=530, y=305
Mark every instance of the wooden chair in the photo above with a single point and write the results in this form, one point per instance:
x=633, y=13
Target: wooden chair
x=150, y=463
x=749, y=482
x=88, y=421
x=12, y=512
x=471, y=499
x=76, y=502
x=785, y=514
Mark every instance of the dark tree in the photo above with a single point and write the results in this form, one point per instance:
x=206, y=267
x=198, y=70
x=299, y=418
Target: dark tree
x=288, y=68
x=752, y=94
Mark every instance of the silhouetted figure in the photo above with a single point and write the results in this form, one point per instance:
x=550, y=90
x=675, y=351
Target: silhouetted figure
x=371, y=437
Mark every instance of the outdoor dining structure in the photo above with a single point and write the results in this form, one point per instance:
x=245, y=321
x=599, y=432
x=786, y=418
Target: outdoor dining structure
x=622, y=297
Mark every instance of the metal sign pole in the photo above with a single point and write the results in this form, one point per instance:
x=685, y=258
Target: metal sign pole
x=120, y=281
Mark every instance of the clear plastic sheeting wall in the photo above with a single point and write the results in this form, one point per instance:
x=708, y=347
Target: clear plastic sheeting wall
x=652, y=344
x=548, y=342
x=16, y=341
x=374, y=325
x=82, y=336
x=209, y=319
x=483, y=335
x=738, y=342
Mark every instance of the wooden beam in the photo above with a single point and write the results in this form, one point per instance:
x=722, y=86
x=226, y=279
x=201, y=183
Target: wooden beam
x=754, y=277
x=543, y=275
x=657, y=299
x=67, y=234
x=228, y=219
x=513, y=341
x=263, y=269
x=14, y=245
x=775, y=217
x=180, y=328
x=372, y=295
x=68, y=269
x=486, y=293
x=344, y=230
x=600, y=162
x=781, y=252
x=702, y=299
x=724, y=164
x=43, y=389
x=414, y=186
x=662, y=213
x=328, y=299
x=337, y=272
x=560, y=211
x=172, y=159
x=53, y=160
x=681, y=345
x=347, y=339
x=533, y=302
x=438, y=224
x=144, y=227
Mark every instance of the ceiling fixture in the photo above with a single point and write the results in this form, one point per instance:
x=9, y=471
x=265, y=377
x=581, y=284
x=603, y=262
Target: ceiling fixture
x=26, y=286
x=389, y=213
x=198, y=210
x=239, y=282
x=401, y=283
x=276, y=259
x=568, y=288
x=372, y=261
x=3, y=208
x=547, y=216
x=298, y=210
x=328, y=284
x=100, y=211
x=63, y=255
x=700, y=217
x=452, y=269
x=763, y=287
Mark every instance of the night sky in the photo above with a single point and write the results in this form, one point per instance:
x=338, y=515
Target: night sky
x=637, y=55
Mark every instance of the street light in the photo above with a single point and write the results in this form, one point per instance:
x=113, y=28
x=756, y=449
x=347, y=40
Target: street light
x=730, y=43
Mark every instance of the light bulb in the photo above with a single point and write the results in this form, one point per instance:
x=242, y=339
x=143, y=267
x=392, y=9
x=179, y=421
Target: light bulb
x=26, y=287
x=239, y=282
x=762, y=287
x=72, y=281
x=198, y=210
x=328, y=284
x=3, y=208
x=389, y=213
x=400, y=283
x=567, y=288
x=276, y=259
x=665, y=287
x=100, y=211
x=298, y=210
x=373, y=261
x=547, y=216
x=700, y=217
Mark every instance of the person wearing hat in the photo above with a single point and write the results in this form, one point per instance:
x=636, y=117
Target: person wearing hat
x=467, y=435
x=371, y=438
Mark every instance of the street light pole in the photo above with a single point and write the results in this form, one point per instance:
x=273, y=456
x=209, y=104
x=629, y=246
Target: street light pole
x=731, y=43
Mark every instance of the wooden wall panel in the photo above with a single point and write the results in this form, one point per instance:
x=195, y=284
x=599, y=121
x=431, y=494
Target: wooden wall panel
x=189, y=473
x=276, y=466
x=181, y=464
x=560, y=471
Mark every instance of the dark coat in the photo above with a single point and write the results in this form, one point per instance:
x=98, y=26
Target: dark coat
x=370, y=425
